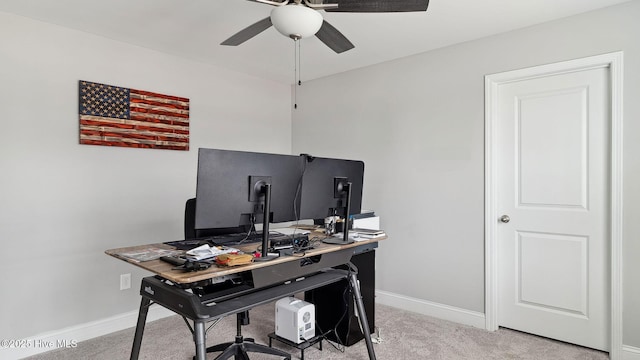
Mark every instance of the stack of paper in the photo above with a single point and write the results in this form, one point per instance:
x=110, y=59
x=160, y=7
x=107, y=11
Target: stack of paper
x=365, y=233
x=206, y=252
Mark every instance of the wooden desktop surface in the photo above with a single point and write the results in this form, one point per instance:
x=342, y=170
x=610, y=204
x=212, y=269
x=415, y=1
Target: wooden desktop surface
x=166, y=271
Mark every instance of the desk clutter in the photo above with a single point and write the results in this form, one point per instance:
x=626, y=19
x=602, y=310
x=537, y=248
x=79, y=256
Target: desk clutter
x=206, y=251
x=234, y=259
x=201, y=254
x=227, y=259
x=206, y=290
x=202, y=257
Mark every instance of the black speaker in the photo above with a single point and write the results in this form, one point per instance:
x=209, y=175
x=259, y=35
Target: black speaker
x=335, y=307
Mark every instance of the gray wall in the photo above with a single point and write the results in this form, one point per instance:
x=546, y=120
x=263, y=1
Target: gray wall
x=418, y=123
x=63, y=204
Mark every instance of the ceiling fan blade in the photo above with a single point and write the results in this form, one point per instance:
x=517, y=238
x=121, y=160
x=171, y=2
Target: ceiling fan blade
x=248, y=32
x=333, y=38
x=379, y=5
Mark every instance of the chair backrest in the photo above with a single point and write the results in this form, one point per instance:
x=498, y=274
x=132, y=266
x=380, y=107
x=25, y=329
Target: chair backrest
x=190, y=219
x=190, y=231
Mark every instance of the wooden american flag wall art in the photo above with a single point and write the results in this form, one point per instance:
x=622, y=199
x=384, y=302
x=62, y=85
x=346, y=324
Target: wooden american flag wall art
x=116, y=116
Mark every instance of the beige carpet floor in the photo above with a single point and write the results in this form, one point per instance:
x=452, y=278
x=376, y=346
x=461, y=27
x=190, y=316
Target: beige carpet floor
x=403, y=334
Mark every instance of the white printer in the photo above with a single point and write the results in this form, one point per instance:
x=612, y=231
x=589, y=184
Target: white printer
x=295, y=319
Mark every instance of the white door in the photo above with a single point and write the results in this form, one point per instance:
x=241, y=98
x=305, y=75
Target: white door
x=553, y=140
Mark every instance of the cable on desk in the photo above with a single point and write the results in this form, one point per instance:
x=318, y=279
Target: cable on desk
x=252, y=228
x=301, y=251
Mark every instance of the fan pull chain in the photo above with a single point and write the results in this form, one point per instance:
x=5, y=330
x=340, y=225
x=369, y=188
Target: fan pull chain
x=299, y=64
x=296, y=71
x=295, y=74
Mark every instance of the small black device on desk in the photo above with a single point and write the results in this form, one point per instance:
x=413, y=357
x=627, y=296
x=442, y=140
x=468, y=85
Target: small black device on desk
x=173, y=260
x=282, y=241
x=184, y=264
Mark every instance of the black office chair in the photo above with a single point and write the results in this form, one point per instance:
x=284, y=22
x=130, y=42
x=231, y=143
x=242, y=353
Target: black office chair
x=190, y=231
x=238, y=348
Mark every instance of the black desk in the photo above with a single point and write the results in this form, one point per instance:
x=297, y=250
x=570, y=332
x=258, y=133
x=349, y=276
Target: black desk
x=270, y=281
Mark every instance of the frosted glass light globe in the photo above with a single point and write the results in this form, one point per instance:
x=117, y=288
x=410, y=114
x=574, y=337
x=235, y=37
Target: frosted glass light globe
x=296, y=21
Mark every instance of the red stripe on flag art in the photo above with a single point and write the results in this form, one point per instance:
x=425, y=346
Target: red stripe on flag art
x=116, y=116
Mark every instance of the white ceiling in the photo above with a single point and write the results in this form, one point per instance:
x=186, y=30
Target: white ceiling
x=194, y=29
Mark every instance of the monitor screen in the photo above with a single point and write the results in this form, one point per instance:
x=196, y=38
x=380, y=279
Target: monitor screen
x=226, y=190
x=319, y=196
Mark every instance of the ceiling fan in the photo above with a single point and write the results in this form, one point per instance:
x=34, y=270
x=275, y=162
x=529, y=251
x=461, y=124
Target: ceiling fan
x=301, y=18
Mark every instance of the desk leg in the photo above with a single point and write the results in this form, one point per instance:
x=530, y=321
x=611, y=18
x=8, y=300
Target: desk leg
x=142, y=319
x=200, y=338
x=362, y=315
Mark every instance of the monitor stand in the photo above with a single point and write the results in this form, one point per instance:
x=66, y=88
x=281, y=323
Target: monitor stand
x=265, y=188
x=346, y=187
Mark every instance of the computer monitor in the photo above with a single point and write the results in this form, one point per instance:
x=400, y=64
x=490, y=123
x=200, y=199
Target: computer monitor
x=234, y=188
x=331, y=187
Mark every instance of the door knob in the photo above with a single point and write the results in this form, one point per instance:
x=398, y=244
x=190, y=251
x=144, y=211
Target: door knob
x=505, y=218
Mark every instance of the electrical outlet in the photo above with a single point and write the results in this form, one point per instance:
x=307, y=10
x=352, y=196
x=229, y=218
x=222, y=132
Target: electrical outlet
x=125, y=281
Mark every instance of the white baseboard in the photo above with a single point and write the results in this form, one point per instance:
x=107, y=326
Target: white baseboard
x=70, y=336
x=630, y=353
x=461, y=316
x=440, y=311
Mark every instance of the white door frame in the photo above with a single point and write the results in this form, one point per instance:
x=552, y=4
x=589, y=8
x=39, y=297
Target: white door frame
x=614, y=62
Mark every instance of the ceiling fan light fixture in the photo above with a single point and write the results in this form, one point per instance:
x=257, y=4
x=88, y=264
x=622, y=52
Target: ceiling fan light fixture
x=296, y=21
